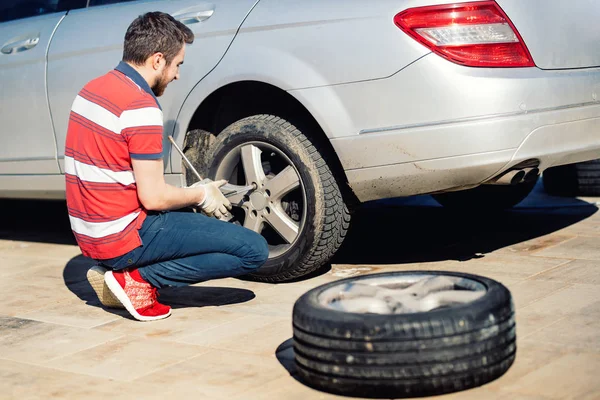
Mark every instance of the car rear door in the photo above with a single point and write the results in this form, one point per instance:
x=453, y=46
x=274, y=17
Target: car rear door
x=27, y=144
x=89, y=43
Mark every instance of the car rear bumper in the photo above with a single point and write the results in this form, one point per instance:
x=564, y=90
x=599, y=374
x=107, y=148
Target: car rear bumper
x=437, y=126
x=378, y=165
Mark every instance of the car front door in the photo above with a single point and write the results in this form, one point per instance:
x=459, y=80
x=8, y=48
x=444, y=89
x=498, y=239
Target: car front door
x=27, y=143
x=89, y=43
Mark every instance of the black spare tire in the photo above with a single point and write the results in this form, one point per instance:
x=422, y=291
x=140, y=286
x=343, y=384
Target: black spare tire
x=404, y=334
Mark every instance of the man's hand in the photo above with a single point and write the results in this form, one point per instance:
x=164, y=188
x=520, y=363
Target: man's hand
x=214, y=203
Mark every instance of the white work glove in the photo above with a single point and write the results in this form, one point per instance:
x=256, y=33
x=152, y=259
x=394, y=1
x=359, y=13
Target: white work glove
x=215, y=204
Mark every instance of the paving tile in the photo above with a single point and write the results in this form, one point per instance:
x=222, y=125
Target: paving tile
x=529, y=291
x=278, y=301
x=255, y=334
x=511, y=266
x=587, y=227
x=595, y=395
x=572, y=376
x=341, y=271
x=474, y=266
x=478, y=393
x=531, y=356
x=21, y=266
x=75, y=313
x=125, y=358
x=518, y=396
x=506, y=268
x=7, y=244
x=529, y=322
x=43, y=250
x=218, y=373
x=230, y=338
x=30, y=382
x=577, y=271
x=538, y=244
x=45, y=272
x=183, y=322
x=576, y=299
x=287, y=388
x=19, y=297
x=38, y=342
x=580, y=248
x=580, y=332
x=13, y=245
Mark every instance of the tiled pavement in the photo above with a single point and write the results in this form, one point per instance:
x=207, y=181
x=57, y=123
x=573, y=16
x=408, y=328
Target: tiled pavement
x=230, y=339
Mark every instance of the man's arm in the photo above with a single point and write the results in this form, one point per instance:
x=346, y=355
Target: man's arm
x=157, y=195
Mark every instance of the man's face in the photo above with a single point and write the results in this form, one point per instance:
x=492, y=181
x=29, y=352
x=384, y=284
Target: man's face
x=168, y=73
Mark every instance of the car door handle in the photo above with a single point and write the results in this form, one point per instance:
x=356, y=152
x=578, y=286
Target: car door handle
x=194, y=16
x=20, y=45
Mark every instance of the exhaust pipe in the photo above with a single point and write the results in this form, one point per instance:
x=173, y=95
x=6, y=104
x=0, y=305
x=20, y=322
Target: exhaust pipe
x=516, y=176
x=531, y=174
x=510, y=178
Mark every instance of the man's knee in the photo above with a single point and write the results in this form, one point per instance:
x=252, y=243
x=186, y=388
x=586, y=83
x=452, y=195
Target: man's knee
x=259, y=252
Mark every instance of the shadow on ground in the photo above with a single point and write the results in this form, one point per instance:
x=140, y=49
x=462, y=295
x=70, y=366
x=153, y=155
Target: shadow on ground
x=395, y=231
x=416, y=229
x=75, y=279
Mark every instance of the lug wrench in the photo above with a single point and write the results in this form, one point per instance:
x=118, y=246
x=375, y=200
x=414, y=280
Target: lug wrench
x=228, y=190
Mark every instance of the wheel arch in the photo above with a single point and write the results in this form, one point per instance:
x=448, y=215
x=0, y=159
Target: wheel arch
x=241, y=99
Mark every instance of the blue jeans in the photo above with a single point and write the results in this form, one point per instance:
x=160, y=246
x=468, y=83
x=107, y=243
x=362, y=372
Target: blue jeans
x=182, y=248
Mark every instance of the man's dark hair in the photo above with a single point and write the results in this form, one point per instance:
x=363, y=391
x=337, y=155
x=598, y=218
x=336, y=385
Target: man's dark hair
x=155, y=32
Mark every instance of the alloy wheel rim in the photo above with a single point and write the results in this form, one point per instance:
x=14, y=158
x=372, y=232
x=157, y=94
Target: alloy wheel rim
x=402, y=294
x=276, y=207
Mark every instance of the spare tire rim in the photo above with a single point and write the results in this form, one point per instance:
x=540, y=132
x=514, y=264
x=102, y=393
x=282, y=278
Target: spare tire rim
x=401, y=294
x=276, y=208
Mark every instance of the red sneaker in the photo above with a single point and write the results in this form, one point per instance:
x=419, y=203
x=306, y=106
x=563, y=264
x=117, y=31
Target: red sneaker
x=137, y=295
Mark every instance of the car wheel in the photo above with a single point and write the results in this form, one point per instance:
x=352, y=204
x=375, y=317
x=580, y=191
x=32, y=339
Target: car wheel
x=486, y=197
x=404, y=334
x=581, y=179
x=297, y=204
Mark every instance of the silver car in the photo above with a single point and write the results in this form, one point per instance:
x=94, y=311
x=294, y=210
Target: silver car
x=322, y=104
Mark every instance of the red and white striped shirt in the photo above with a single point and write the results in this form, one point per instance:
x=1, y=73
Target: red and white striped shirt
x=113, y=119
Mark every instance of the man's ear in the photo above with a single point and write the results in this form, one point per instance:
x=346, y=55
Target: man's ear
x=157, y=60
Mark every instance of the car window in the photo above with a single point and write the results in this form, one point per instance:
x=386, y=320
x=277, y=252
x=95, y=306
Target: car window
x=104, y=2
x=16, y=9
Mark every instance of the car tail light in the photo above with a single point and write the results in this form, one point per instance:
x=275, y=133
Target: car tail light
x=477, y=34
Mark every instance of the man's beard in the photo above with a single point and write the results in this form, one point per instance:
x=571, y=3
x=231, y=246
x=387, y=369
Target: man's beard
x=160, y=85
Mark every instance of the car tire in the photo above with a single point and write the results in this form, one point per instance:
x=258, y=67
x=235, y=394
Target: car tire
x=325, y=218
x=408, y=354
x=580, y=179
x=197, y=147
x=486, y=197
